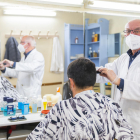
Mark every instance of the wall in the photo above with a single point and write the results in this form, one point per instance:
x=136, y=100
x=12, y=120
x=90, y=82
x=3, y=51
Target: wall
x=36, y=24
x=116, y=23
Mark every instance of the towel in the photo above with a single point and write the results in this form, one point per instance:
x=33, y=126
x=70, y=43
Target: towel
x=57, y=57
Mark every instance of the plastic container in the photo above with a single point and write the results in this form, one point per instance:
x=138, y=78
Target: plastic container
x=25, y=107
x=59, y=94
x=39, y=101
x=9, y=109
x=34, y=105
x=54, y=100
x=44, y=104
x=76, y=40
x=21, y=100
x=49, y=99
x=4, y=103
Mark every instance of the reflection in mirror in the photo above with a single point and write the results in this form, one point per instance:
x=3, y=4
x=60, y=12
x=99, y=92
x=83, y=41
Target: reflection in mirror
x=42, y=28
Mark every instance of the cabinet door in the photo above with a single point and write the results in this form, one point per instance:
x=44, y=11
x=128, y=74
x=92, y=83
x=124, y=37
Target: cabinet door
x=111, y=45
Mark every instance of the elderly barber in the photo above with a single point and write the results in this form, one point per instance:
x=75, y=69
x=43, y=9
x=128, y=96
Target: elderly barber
x=124, y=73
x=29, y=71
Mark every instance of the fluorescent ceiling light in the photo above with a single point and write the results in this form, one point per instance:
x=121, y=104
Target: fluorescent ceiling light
x=114, y=14
x=65, y=1
x=58, y=2
x=115, y=6
x=43, y=13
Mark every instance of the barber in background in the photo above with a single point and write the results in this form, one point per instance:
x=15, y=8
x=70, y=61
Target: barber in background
x=29, y=71
x=124, y=73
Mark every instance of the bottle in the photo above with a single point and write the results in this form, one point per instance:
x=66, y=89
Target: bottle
x=76, y=40
x=59, y=94
x=90, y=52
x=30, y=104
x=98, y=53
x=95, y=37
x=34, y=104
x=49, y=99
x=4, y=103
x=20, y=101
x=39, y=101
x=93, y=34
x=54, y=100
x=94, y=55
x=25, y=106
x=10, y=110
x=44, y=104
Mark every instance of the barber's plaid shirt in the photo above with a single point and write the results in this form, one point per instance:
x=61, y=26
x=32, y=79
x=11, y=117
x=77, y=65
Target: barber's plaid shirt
x=87, y=116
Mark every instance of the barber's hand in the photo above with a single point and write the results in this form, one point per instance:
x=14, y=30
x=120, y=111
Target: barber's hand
x=2, y=67
x=110, y=75
x=8, y=63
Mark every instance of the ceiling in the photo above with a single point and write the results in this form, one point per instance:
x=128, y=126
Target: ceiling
x=82, y=6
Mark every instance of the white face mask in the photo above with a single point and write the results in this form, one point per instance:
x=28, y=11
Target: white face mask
x=133, y=41
x=21, y=48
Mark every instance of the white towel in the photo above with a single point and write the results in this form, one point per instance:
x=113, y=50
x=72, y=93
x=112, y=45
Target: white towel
x=57, y=57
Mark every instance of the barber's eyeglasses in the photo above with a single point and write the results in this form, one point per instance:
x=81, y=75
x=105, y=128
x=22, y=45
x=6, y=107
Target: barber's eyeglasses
x=135, y=31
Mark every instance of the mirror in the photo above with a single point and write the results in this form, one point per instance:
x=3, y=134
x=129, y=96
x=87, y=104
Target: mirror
x=38, y=26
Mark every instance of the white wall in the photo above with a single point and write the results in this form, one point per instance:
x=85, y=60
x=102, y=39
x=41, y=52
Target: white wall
x=18, y=23
x=116, y=23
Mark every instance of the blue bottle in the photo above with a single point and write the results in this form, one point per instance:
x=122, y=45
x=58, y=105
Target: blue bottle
x=25, y=107
x=21, y=100
x=10, y=109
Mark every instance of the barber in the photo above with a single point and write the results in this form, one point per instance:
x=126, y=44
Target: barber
x=29, y=71
x=124, y=73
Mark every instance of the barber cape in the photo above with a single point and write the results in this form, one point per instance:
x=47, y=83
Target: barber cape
x=7, y=90
x=87, y=116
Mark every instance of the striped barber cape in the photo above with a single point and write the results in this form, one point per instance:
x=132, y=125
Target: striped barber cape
x=87, y=116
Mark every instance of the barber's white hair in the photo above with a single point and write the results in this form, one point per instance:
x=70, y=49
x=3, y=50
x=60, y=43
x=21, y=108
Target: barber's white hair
x=31, y=40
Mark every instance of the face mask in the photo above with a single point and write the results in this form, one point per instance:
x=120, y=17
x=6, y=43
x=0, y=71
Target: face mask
x=133, y=41
x=21, y=48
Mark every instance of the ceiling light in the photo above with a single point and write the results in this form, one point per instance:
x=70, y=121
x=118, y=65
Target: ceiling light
x=65, y=1
x=114, y=14
x=43, y=13
x=115, y=6
x=58, y=2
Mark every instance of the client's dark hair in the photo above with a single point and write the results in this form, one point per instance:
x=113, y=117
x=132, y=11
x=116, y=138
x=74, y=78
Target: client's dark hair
x=83, y=72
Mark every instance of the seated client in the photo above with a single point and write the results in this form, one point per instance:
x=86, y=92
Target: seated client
x=86, y=116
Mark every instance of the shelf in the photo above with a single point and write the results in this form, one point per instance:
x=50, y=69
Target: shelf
x=93, y=42
x=93, y=28
x=76, y=29
x=73, y=59
x=77, y=44
x=93, y=57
